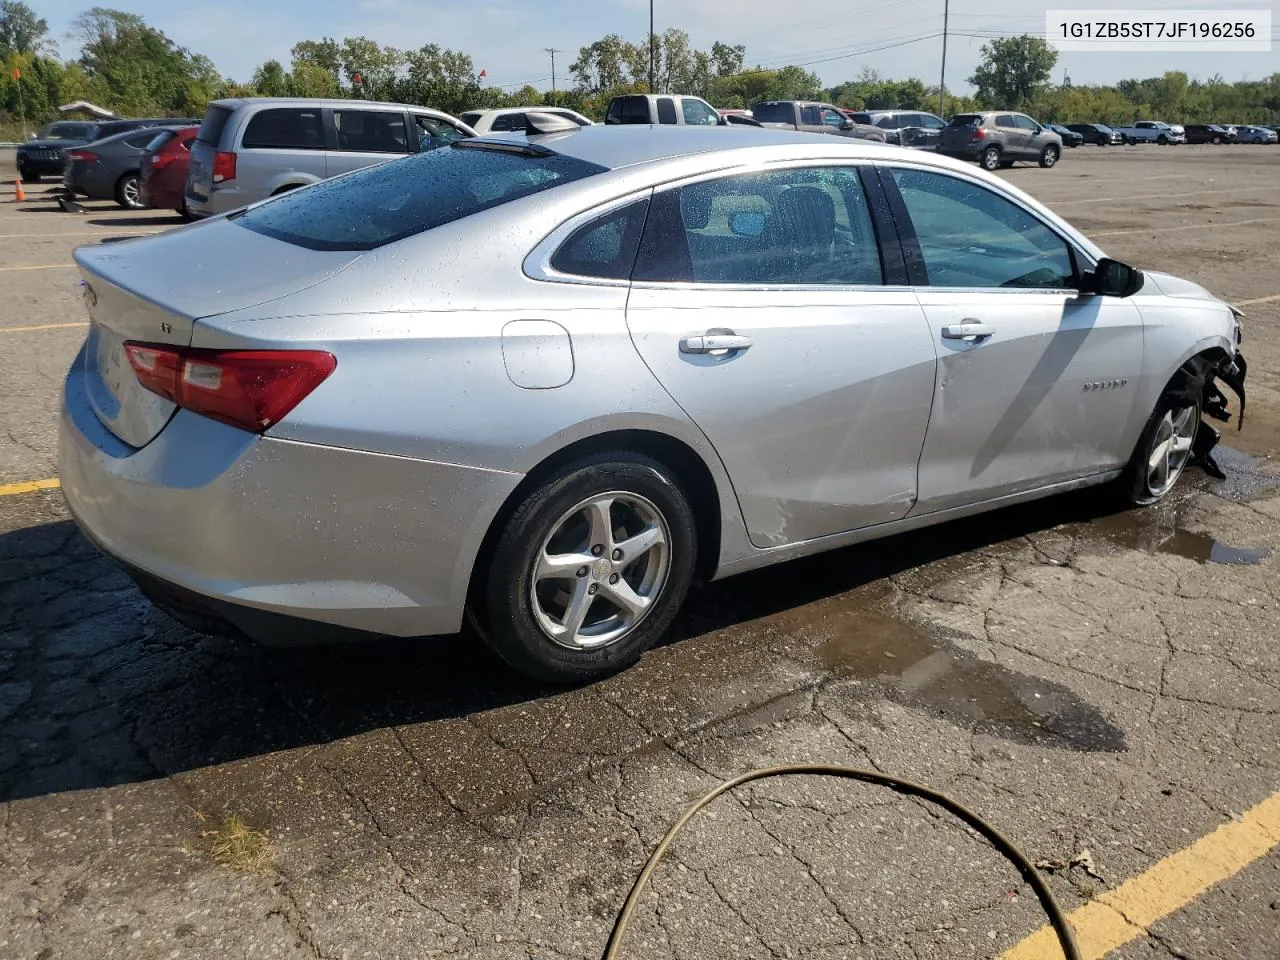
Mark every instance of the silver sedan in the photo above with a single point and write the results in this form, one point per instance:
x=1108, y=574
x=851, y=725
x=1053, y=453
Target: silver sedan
x=548, y=382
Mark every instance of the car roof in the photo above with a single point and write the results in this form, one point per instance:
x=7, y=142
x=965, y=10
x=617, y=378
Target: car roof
x=626, y=145
x=502, y=111
x=235, y=103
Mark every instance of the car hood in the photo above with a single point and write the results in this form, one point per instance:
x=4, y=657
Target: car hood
x=1172, y=286
x=52, y=142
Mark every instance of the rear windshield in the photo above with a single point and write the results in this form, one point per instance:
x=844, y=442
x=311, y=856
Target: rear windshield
x=211, y=129
x=966, y=120
x=469, y=118
x=390, y=201
x=774, y=112
x=159, y=140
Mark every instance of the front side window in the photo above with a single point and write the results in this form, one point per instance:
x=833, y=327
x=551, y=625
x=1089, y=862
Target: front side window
x=1026, y=123
x=972, y=237
x=798, y=226
x=697, y=113
x=390, y=201
x=605, y=247
x=930, y=122
x=666, y=110
x=370, y=131
x=434, y=133
x=282, y=129
x=833, y=118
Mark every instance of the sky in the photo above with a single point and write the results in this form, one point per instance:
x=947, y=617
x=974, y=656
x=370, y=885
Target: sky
x=834, y=38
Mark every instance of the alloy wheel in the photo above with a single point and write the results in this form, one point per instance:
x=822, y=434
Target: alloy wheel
x=1170, y=449
x=601, y=569
x=130, y=191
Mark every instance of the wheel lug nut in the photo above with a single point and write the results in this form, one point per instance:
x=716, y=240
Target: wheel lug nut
x=617, y=554
x=597, y=550
x=593, y=589
x=614, y=578
x=582, y=571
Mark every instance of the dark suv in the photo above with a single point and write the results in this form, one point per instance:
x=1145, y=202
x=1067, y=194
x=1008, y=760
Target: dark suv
x=908, y=128
x=1209, y=133
x=43, y=157
x=998, y=139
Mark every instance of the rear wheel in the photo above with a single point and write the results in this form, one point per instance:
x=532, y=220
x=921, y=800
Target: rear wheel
x=1167, y=441
x=128, y=194
x=990, y=159
x=590, y=570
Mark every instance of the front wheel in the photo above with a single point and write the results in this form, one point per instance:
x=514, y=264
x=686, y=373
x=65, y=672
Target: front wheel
x=128, y=194
x=1049, y=156
x=1162, y=140
x=1124, y=140
x=590, y=570
x=1167, y=442
x=1217, y=140
x=990, y=159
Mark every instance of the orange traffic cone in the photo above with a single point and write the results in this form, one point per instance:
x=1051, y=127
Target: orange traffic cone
x=19, y=195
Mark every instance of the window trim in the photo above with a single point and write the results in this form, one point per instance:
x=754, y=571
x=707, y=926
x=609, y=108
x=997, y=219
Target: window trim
x=917, y=272
x=882, y=226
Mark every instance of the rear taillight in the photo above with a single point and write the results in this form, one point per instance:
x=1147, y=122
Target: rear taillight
x=82, y=156
x=159, y=161
x=979, y=134
x=224, y=167
x=249, y=389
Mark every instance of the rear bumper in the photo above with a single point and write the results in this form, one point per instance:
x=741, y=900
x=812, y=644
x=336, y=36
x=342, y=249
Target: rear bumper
x=262, y=532
x=222, y=199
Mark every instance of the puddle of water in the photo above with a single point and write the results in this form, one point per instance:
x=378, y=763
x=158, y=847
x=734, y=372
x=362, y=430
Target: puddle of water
x=1136, y=532
x=1248, y=476
x=920, y=670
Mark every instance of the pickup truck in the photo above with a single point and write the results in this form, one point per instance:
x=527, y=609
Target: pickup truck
x=1152, y=131
x=810, y=117
x=669, y=109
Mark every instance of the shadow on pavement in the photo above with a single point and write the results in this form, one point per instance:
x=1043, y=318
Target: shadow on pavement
x=98, y=688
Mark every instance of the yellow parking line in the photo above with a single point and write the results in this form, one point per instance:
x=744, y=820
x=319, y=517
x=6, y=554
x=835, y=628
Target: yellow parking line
x=30, y=486
x=1185, y=226
x=44, y=326
x=42, y=266
x=1125, y=913
x=1271, y=299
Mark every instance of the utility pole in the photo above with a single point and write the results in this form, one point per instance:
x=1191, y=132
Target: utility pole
x=553, y=51
x=942, y=83
x=651, y=90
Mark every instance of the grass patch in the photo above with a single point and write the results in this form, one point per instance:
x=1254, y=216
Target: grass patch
x=237, y=845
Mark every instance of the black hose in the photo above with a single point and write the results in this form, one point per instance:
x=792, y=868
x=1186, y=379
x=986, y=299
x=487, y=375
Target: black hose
x=905, y=787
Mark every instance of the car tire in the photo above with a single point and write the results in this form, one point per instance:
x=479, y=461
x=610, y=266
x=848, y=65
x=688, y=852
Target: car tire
x=990, y=159
x=528, y=619
x=1124, y=140
x=1162, y=140
x=1217, y=141
x=1049, y=156
x=127, y=192
x=1165, y=447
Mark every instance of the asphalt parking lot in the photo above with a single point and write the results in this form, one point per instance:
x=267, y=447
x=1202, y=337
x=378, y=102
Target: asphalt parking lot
x=1103, y=687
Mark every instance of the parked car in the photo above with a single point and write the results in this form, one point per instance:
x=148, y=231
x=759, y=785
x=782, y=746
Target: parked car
x=45, y=155
x=811, y=117
x=998, y=140
x=252, y=148
x=1255, y=134
x=1151, y=131
x=109, y=169
x=514, y=118
x=549, y=386
x=162, y=172
x=907, y=128
x=1096, y=133
x=1209, y=133
x=1069, y=137
x=664, y=109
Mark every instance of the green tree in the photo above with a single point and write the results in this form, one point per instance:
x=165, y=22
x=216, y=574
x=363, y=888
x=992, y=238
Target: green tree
x=21, y=31
x=1013, y=70
x=270, y=80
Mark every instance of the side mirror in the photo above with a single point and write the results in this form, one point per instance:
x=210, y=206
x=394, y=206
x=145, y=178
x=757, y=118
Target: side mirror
x=846, y=124
x=1111, y=278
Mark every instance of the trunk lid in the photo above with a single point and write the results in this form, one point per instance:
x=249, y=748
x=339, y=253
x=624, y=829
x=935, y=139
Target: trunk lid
x=200, y=169
x=155, y=289
x=959, y=131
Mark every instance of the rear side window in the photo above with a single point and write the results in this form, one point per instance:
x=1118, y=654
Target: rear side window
x=891, y=122
x=388, y=202
x=215, y=119
x=629, y=110
x=370, y=131
x=285, y=128
x=811, y=116
x=605, y=247
x=470, y=119
x=139, y=141
x=509, y=121
x=774, y=112
x=666, y=110
x=863, y=118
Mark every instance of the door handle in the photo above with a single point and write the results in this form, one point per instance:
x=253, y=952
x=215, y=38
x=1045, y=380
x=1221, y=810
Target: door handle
x=970, y=331
x=714, y=343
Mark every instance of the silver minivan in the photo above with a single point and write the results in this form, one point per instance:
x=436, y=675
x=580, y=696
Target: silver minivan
x=252, y=148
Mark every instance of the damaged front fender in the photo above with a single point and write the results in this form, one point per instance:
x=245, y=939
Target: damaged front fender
x=1231, y=372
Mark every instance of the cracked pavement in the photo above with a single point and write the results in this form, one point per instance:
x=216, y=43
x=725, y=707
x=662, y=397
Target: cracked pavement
x=1083, y=679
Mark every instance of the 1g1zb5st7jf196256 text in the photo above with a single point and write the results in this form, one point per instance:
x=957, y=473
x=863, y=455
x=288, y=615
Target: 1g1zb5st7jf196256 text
x=1159, y=30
